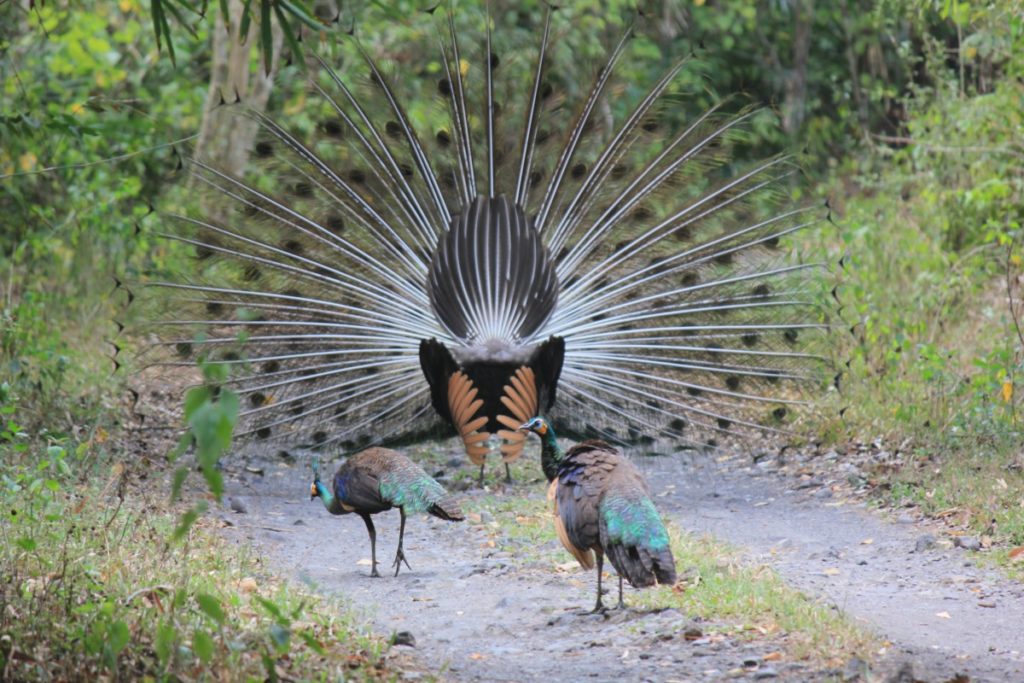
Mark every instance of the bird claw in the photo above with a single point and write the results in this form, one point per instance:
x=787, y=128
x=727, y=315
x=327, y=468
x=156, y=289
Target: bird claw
x=374, y=574
x=399, y=559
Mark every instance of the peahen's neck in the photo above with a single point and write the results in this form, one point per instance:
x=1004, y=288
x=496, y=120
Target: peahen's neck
x=330, y=501
x=550, y=453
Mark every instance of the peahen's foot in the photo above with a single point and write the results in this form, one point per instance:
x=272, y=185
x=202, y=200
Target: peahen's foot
x=399, y=559
x=374, y=574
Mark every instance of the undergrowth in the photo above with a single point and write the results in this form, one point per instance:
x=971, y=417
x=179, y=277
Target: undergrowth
x=93, y=588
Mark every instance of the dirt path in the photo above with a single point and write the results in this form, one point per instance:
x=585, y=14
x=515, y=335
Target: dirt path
x=479, y=612
x=941, y=610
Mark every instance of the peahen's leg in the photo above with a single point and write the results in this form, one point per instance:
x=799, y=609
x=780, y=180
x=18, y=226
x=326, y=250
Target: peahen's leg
x=599, y=607
x=481, y=480
x=400, y=556
x=508, y=474
x=373, y=544
x=622, y=605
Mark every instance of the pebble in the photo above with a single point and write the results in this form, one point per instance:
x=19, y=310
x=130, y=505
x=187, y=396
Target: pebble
x=404, y=638
x=967, y=542
x=925, y=542
x=765, y=673
x=238, y=504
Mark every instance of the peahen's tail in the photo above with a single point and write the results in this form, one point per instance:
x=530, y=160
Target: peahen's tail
x=634, y=538
x=609, y=224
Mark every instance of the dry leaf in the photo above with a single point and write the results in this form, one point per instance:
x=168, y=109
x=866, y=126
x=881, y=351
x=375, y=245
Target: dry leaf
x=867, y=541
x=772, y=657
x=1017, y=554
x=831, y=571
x=943, y=615
x=247, y=585
x=477, y=655
x=365, y=562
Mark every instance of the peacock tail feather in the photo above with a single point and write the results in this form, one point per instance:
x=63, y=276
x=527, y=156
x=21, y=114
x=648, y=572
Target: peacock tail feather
x=433, y=251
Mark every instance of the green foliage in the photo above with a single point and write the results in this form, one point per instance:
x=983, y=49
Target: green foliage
x=91, y=590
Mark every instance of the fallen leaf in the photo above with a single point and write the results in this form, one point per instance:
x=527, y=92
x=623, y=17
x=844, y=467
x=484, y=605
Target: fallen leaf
x=943, y=615
x=1017, y=554
x=772, y=657
x=247, y=585
x=867, y=541
x=365, y=562
x=477, y=655
x=831, y=571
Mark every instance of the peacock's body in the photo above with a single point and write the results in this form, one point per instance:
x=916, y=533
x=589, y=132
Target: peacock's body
x=515, y=250
x=602, y=507
x=377, y=480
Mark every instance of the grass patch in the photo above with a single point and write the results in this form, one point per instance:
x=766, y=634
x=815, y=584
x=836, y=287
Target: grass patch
x=92, y=589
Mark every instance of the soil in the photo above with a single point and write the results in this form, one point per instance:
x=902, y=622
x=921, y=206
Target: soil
x=477, y=612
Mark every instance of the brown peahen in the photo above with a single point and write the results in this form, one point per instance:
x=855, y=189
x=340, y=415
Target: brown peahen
x=377, y=480
x=602, y=507
x=445, y=252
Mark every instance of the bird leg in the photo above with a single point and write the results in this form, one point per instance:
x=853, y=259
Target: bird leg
x=481, y=481
x=400, y=556
x=508, y=474
x=599, y=607
x=373, y=545
x=622, y=605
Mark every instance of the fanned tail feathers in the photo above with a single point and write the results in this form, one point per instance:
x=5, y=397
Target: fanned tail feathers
x=626, y=233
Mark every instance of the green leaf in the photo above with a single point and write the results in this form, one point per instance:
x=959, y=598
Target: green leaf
x=289, y=35
x=271, y=666
x=211, y=607
x=202, y=644
x=164, y=642
x=312, y=643
x=26, y=543
x=118, y=636
x=180, y=475
x=280, y=634
x=187, y=520
x=271, y=607
x=266, y=36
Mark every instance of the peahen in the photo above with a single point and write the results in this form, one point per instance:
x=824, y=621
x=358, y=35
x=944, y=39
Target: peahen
x=377, y=480
x=461, y=243
x=602, y=507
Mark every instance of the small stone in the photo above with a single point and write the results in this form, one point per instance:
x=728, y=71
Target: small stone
x=403, y=638
x=298, y=522
x=967, y=542
x=925, y=542
x=765, y=674
x=693, y=633
x=454, y=463
x=856, y=669
x=238, y=504
x=823, y=493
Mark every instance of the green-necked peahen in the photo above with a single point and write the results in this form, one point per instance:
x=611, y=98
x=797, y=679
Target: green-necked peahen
x=377, y=480
x=441, y=247
x=602, y=507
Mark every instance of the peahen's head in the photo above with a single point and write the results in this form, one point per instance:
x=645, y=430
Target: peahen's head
x=313, y=488
x=537, y=425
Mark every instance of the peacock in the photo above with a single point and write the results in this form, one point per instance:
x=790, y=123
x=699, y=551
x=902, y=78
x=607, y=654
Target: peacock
x=377, y=480
x=454, y=244
x=602, y=507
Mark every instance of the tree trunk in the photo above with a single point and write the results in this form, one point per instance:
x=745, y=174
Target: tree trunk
x=795, y=104
x=226, y=137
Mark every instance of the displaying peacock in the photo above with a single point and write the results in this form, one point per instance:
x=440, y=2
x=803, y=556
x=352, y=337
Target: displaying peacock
x=448, y=251
x=377, y=480
x=602, y=507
